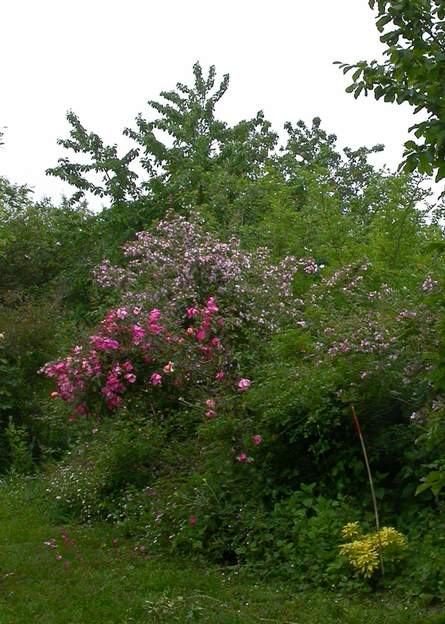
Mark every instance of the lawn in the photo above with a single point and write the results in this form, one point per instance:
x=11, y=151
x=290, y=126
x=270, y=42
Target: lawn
x=103, y=579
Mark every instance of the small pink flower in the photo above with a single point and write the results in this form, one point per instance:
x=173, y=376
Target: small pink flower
x=210, y=403
x=193, y=520
x=210, y=413
x=58, y=556
x=54, y=395
x=154, y=316
x=191, y=312
x=190, y=331
x=257, y=439
x=127, y=366
x=211, y=307
x=169, y=368
x=94, y=431
x=242, y=457
x=155, y=379
x=216, y=342
x=244, y=384
x=136, y=310
x=130, y=377
x=121, y=313
x=200, y=334
x=219, y=375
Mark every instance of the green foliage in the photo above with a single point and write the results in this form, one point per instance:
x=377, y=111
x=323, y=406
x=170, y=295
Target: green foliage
x=93, y=479
x=20, y=455
x=413, y=32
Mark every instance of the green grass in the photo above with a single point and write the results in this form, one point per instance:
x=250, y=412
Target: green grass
x=97, y=582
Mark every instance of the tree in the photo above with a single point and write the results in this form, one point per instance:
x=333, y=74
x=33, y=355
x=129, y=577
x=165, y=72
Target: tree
x=186, y=156
x=413, y=71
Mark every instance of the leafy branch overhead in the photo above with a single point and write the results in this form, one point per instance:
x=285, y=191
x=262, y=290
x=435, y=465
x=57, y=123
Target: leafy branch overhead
x=413, y=71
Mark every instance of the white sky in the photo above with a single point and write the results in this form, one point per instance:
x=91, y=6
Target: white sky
x=106, y=58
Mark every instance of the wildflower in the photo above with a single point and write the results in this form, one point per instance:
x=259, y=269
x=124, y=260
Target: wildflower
x=220, y=375
x=130, y=377
x=244, y=384
x=257, y=439
x=191, y=312
x=210, y=413
x=242, y=457
x=210, y=403
x=190, y=331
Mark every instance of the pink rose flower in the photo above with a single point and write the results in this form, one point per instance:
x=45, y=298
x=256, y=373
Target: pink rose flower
x=210, y=413
x=244, y=384
x=211, y=307
x=155, y=379
x=257, y=439
x=130, y=377
x=191, y=312
x=210, y=403
x=200, y=334
x=169, y=368
x=242, y=457
x=219, y=375
x=154, y=316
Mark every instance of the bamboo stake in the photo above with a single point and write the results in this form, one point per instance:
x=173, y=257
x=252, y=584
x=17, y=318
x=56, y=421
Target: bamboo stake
x=371, y=484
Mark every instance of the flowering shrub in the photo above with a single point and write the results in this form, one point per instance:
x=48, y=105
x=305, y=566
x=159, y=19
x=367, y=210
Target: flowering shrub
x=182, y=264
x=162, y=361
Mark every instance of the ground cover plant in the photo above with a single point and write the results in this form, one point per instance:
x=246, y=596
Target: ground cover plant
x=183, y=388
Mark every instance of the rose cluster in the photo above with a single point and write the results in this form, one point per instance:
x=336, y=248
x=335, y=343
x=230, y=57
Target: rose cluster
x=145, y=353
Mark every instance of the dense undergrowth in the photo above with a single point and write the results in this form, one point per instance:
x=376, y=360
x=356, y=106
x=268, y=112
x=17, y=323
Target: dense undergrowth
x=183, y=364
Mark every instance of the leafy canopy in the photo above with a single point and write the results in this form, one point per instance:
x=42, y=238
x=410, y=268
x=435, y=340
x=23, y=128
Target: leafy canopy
x=413, y=71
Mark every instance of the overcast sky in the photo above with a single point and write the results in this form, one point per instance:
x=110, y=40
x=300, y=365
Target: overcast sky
x=105, y=58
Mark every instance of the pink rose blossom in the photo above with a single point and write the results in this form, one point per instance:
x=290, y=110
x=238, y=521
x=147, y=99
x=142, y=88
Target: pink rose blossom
x=154, y=316
x=220, y=375
x=200, y=334
x=210, y=403
x=169, y=368
x=244, y=384
x=191, y=312
x=121, y=313
x=130, y=377
x=211, y=306
x=257, y=439
x=242, y=457
x=155, y=379
x=210, y=413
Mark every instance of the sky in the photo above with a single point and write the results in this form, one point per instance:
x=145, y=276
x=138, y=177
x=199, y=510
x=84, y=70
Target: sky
x=105, y=58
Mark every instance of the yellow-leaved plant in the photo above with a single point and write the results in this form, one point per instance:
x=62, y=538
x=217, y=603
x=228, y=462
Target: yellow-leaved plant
x=363, y=549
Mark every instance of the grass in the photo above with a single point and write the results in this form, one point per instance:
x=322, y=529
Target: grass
x=101, y=581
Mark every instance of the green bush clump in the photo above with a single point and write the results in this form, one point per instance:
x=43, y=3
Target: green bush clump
x=93, y=479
